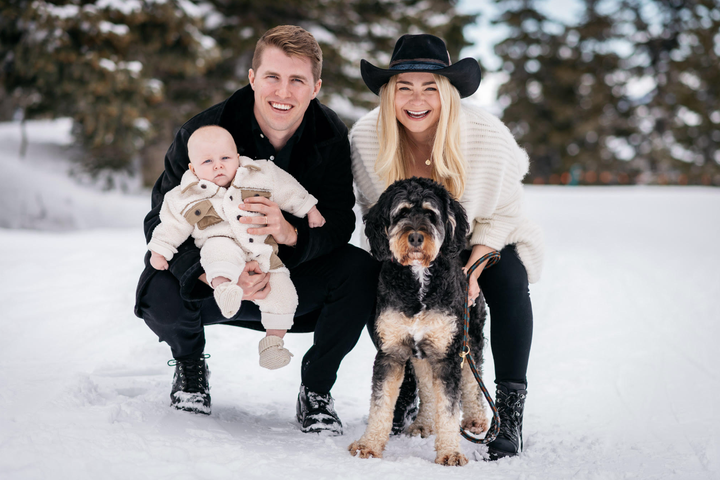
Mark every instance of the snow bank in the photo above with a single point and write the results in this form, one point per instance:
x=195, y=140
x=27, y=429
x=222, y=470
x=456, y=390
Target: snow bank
x=40, y=195
x=623, y=378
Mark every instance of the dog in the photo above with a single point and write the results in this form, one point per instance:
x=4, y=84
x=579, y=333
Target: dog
x=418, y=230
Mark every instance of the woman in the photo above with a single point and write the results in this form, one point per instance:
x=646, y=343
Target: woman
x=421, y=128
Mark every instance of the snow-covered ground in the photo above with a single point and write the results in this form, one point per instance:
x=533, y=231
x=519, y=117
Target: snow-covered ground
x=623, y=381
x=40, y=195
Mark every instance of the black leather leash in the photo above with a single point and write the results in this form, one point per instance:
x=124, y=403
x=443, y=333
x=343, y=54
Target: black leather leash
x=492, y=258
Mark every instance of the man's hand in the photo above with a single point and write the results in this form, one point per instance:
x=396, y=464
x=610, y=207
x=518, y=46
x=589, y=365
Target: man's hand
x=157, y=261
x=252, y=280
x=270, y=221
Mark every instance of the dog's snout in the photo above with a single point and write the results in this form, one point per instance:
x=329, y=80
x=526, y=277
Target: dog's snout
x=415, y=239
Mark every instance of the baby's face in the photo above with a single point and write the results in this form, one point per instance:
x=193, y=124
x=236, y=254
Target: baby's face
x=213, y=156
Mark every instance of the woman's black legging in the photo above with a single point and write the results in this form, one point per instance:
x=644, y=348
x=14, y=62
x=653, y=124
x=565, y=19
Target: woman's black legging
x=505, y=287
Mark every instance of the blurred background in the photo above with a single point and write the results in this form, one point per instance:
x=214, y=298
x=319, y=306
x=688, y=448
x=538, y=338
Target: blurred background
x=611, y=92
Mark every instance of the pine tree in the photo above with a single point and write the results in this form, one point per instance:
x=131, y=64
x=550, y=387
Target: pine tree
x=678, y=121
x=601, y=115
x=103, y=66
x=561, y=101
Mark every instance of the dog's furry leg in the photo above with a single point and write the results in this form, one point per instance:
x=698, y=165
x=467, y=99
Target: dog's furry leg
x=447, y=419
x=424, y=422
x=473, y=404
x=387, y=376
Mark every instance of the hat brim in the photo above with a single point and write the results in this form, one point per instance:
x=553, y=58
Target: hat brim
x=464, y=75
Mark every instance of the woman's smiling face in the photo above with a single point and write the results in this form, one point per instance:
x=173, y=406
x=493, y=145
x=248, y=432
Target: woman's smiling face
x=417, y=103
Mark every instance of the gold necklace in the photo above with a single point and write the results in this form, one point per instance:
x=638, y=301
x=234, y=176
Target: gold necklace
x=428, y=161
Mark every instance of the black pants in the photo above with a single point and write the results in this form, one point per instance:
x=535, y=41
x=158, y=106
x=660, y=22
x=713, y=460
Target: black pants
x=505, y=287
x=336, y=294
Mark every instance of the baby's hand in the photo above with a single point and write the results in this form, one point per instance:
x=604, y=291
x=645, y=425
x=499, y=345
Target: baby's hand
x=158, y=261
x=315, y=218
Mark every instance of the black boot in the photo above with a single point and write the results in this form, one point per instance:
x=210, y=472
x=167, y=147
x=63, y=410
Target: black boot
x=191, y=389
x=316, y=413
x=406, y=407
x=510, y=402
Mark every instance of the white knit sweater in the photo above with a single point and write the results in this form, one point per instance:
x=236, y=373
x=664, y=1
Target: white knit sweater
x=493, y=197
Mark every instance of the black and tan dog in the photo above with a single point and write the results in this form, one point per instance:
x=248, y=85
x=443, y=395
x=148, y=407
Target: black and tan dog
x=418, y=231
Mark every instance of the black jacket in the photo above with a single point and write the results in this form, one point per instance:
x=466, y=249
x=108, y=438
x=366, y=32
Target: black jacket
x=320, y=161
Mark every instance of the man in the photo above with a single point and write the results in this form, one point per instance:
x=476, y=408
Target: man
x=276, y=117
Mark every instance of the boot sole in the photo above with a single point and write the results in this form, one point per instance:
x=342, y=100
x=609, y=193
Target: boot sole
x=191, y=410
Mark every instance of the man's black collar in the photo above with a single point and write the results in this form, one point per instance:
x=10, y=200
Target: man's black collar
x=256, y=130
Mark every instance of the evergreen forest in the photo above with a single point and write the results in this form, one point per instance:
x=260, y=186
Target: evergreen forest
x=627, y=94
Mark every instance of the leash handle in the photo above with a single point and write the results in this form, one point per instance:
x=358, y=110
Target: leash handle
x=492, y=258
x=492, y=433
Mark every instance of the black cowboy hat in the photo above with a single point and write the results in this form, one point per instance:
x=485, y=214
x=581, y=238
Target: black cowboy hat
x=423, y=53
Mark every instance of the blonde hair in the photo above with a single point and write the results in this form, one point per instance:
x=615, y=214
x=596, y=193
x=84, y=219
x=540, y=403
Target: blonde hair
x=448, y=163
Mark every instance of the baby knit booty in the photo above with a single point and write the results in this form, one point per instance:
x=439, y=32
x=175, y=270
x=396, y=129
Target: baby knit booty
x=228, y=297
x=272, y=353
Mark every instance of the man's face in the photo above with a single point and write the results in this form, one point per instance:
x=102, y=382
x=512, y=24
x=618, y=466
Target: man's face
x=283, y=87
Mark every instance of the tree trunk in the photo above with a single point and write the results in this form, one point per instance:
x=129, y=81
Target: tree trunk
x=23, y=138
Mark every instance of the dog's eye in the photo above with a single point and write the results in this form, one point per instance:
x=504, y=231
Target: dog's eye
x=401, y=213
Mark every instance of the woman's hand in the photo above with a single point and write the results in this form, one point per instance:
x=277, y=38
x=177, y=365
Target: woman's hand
x=474, y=288
x=271, y=220
x=477, y=252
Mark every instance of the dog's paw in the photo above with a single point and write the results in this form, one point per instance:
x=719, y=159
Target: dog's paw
x=453, y=459
x=419, y=428
x=363, y=451
x=475, y=426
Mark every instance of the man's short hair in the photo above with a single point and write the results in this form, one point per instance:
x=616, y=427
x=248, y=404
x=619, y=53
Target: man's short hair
x=295, y=42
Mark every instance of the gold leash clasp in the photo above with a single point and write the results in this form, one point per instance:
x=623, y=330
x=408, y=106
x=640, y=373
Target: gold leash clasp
x=464, y=354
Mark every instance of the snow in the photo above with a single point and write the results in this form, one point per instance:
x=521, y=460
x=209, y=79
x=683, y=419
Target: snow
x=119, y=30
x=125, y=6
x=623, y=380
x=41, y=196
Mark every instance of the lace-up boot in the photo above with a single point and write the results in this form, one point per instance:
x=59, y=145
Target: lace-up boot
x=510, y=402
x=190, y=389
x=316, y=413
x=406, y=407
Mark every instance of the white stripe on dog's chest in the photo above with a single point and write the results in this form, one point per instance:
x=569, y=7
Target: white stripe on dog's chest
x=422, y=275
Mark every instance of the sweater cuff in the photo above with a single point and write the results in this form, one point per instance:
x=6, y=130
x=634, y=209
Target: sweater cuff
x=494, y=238
x=277, y=321
x=162, y=249
x=309, y=202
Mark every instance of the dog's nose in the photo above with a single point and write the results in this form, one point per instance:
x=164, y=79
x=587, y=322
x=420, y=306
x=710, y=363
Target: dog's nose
x=416, y=239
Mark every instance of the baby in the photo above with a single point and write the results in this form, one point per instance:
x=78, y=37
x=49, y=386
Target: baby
x=205, y=206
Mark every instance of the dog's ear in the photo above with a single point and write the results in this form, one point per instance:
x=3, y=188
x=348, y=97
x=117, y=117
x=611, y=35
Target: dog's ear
x=377, y=221
x=456, y=228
